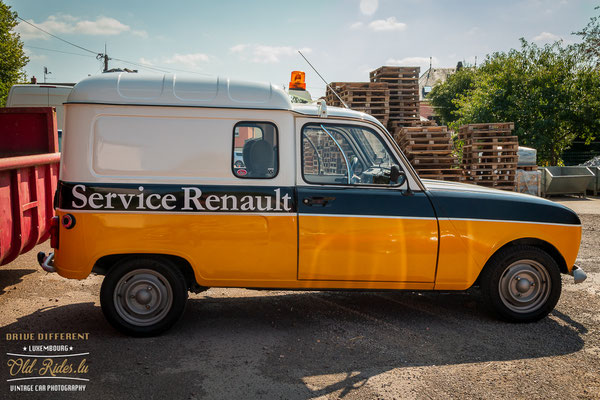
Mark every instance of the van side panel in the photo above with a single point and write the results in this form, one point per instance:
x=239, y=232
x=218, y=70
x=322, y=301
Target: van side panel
x=143, y=144
x=231, y=249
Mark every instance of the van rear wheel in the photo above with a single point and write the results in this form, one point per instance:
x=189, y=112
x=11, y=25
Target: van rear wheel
x=521, y=284
x=144, y=296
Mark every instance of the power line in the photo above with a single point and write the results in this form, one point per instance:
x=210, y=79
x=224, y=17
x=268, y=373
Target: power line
x=157, y=67
x=58, y=51
x=140, y=65
x=61, y=39
x=105, y=55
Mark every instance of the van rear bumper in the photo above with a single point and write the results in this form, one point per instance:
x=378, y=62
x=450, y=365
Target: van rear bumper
x=46, y=261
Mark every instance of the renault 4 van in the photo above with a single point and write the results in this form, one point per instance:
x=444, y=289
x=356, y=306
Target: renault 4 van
x=171, y=184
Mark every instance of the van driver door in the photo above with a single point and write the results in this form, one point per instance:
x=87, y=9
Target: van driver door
x=357, y=221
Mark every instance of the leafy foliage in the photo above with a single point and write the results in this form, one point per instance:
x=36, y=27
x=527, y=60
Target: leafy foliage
x=590, y=35
x=443, y=96
x=12, y=56
x=551, y=93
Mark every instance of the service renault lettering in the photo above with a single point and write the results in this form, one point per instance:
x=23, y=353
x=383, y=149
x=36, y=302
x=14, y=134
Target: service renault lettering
x=167, y=182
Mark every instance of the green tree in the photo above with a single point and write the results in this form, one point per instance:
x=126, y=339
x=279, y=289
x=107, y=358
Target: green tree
x=443, y=97
x=12, y=56
x=548, y=92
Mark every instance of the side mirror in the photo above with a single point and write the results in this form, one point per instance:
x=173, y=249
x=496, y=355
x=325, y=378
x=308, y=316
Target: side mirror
x=397, y=177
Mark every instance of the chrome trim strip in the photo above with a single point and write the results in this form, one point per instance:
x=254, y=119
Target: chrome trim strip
x=269, y=214
x=365, y=216
x=506, y=220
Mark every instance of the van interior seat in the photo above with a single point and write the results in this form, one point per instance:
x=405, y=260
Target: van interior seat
x=258, y=157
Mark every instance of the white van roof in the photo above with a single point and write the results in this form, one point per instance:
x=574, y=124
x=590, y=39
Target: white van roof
x=176, y=90
x=313, y=110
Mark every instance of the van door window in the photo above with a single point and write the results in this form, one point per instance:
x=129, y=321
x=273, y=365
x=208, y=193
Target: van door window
x=345, y=154
x=255, y=148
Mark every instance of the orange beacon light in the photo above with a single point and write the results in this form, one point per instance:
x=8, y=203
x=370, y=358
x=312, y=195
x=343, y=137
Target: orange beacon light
x=297, y=81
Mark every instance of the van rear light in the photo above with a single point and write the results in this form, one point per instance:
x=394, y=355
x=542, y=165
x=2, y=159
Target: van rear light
x=54, y=224
x=68, y=221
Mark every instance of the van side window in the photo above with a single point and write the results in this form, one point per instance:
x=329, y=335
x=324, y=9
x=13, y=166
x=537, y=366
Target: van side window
x=255, y=150
x=345, y=154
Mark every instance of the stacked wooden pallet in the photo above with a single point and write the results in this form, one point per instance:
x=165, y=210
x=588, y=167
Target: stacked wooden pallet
x=429, y=149
x=369, y=97
x=490, y=154
x=403, y=84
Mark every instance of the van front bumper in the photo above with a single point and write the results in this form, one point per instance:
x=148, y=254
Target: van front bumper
x=578, y=274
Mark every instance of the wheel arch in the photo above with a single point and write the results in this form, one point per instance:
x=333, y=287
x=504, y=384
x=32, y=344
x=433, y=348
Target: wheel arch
x=105, y=263
x=534, y=242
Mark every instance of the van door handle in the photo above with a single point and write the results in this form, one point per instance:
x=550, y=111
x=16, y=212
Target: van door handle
x=318, y=201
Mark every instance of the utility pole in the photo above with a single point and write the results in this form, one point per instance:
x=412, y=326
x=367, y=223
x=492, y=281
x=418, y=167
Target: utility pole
x=105, y=57
x=46, y=72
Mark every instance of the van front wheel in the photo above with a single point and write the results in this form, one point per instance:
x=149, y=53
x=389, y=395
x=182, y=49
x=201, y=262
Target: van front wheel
x=521, y=284
x=143, y=296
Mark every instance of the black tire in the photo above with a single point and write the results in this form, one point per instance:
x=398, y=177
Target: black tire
x=521, y=283
x=143, y=296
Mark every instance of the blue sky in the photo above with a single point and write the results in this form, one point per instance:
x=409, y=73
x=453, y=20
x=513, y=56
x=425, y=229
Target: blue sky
x=257, y=40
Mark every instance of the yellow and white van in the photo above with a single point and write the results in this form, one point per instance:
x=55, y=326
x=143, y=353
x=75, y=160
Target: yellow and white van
x=170, y=185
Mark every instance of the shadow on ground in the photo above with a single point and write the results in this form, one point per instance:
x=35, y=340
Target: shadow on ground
x=10, y=277
x=297, y=345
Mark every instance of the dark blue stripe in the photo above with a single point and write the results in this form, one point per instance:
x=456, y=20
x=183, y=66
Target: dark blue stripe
x=498, y=206
x=364, y=201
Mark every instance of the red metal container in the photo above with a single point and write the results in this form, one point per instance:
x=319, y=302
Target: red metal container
x=29, y=161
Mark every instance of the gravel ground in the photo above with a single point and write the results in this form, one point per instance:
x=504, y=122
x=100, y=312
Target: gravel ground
x=235, y=343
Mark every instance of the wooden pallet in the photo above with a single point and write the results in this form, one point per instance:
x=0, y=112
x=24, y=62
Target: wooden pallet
x=490, y=154
x=403, y=86
x=527, y=167
x=394, y=74
x=368, y=97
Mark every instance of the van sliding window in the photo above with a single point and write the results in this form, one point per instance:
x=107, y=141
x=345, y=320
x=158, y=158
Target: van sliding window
x=255, y=150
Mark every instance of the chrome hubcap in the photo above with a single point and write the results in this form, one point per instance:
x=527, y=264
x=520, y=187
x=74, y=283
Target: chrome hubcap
x=143, y=297
x=524, y=286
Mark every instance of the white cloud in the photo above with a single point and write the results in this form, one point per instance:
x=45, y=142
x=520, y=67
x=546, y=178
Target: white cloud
x=546, y=37
x=368, y=7
x=389, y=24
x=356, y=25
x=68, y=24
x=260, y=53
x=102, y=26
x=422, y=62
x=191, y=60
x=238, y=48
